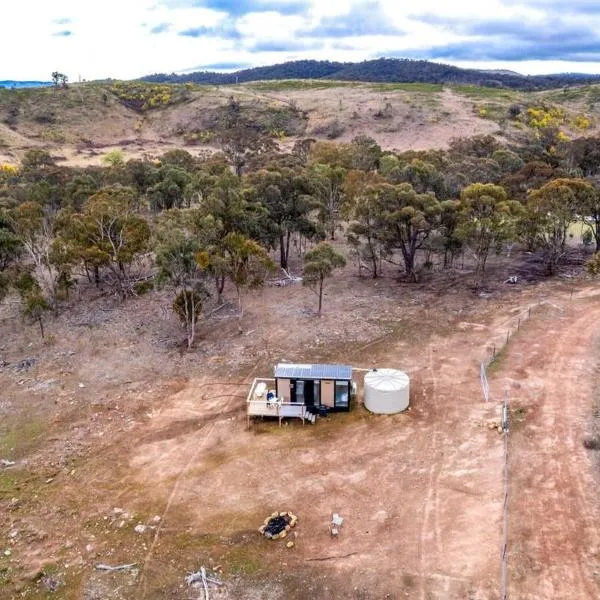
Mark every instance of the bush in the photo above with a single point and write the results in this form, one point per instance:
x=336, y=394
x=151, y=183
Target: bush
x=592, y=442
x=143, y=287
x=387, y=112
x=514, y=110
x=330, y=129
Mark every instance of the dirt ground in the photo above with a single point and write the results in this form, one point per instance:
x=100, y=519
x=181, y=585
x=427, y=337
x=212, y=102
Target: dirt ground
x=116, y=426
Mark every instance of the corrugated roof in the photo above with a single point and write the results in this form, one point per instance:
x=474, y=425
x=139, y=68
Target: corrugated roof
x=299, y=371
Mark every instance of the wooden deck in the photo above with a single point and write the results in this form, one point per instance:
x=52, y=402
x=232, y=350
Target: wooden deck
x=258, y=407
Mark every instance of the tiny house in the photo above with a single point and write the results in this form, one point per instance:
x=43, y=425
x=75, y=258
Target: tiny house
x=328, y=386
x=302, y=391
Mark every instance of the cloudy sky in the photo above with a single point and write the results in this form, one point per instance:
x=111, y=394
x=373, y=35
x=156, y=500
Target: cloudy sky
x=129, y=38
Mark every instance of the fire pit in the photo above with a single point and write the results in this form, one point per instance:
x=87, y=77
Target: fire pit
x=277, y=525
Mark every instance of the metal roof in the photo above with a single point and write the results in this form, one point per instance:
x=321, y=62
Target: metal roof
x=299, y=371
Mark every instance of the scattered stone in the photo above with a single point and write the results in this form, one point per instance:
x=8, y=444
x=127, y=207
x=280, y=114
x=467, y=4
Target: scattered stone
x=81, y=385
x=51, y=583
x=118, y=511
x=25, y=364
x=7, y=552
x=156, y=519
x=140, y=528
x=89, y=548
x=290, y=544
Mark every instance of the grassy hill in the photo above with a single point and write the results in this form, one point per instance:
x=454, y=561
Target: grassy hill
x=84, y=121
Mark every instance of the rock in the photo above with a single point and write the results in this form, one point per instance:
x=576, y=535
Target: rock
x=290, y=544
x=7, y=552
x=118, y=511
x=89, y=548
x=140, y=528
x=500, y=429
x=156, y=519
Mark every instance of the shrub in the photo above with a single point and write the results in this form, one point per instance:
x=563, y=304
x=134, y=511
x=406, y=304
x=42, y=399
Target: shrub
x=143, y=287
x=543, y=117
x=330, y=129
x=592, y=442
x=114, y=158
x=142, y=96
x=581, y=122
x=514, y=110
x=387, y=112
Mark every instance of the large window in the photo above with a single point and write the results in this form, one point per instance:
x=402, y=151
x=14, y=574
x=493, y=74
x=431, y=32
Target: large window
x=342, y=394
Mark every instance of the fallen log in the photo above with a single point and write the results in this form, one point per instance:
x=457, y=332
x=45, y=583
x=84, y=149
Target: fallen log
x=331, y=557
x=115, y=568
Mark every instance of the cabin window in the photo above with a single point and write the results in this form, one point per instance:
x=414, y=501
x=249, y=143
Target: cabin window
x=342, y=394
x=317, y=392
x=300, y=391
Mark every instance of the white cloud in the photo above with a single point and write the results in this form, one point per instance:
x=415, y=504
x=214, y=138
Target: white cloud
x=112, y=38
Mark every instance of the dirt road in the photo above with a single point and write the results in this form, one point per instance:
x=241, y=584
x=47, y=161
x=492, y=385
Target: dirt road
x=550, y=369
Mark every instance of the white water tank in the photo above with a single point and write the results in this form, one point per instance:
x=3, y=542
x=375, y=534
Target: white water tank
x=386, y=391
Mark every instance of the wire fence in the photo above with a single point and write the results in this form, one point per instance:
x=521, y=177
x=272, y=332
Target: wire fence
x=497, y=349
x=485, y=388
x=504, y=552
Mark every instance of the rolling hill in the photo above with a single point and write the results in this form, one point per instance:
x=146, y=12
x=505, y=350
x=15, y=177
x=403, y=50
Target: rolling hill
x=381, y=70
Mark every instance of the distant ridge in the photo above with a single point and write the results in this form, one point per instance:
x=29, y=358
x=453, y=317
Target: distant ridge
x=381, y=70
x=9, y=83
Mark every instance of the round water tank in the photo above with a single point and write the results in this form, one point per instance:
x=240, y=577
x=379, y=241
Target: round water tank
x=386, y=391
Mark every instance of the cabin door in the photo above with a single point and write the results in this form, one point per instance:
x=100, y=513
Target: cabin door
x=309, y=393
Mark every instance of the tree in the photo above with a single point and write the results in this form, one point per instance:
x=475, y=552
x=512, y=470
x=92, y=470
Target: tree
x=59, y=79
x=109, y=234
x=10, y=244
x=593, y=265
x=78, y=190
x=551, y=210
x=408, y=219
x=423, y=177
x=244, y=261
x=327, y=186
x=34, y=304
x=179, y=158
x=590, y=213
x=170, y=190
x=449, y=225
x=319, y=263
x=176, y=254
x=366, y=153
x=488, y=218
x=285, y=196
x=240, y=138
x=363, y=209
x=33, y=226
